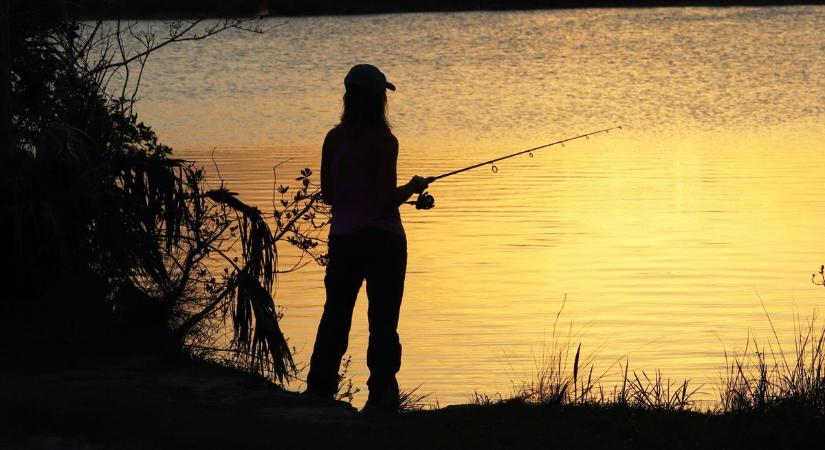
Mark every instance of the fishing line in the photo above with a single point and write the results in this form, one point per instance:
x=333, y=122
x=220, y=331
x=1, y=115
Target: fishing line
x=427, y=201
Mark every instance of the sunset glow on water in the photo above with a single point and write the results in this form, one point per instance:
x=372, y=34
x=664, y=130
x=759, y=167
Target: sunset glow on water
x=666, y=238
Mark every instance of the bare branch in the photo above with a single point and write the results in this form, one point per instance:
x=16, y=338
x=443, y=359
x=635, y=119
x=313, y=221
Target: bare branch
x=119, y=39
x=177, y=32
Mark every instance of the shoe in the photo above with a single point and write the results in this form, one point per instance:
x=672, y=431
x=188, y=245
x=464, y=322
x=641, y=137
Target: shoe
x=317, y=397
x=382, y=407
x=324, y=400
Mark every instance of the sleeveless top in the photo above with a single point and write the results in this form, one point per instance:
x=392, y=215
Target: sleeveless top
x=355, y=204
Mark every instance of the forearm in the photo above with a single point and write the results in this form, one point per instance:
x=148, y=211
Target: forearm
x=402, y=194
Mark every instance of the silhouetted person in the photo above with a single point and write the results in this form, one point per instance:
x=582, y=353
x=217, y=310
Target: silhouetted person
x=366, y=239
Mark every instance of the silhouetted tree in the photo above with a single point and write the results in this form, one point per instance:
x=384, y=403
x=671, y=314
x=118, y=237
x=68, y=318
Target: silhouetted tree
x=115, y=243
x=5, y=83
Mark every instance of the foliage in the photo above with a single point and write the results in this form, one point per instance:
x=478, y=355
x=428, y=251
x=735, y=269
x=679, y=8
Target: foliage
x=760, y=378
x=116, y=243
x=560, y=381
x=483, y=399
x=763, y=377
x=820, y=280
x=346, y=390
x=411, y=400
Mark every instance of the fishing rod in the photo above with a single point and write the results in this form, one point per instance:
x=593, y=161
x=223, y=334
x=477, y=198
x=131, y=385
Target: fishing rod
x=427, y=201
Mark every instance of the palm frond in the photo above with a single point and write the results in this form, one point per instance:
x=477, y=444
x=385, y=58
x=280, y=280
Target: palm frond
x=257, y=334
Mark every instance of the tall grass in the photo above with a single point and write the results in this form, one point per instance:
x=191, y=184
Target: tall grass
x=565, y=377
x=764, y=376
x=657, y=393
x=412, y=400
x=571, y=381
x=562, y=376
x=758, y=378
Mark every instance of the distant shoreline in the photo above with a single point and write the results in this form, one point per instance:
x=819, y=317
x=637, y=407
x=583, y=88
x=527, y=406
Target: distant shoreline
x=308, y=8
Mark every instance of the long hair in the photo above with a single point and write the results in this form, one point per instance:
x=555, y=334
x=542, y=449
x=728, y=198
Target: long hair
x=364, y=111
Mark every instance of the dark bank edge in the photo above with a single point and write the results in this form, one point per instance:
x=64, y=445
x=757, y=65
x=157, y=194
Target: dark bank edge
x=156, y=9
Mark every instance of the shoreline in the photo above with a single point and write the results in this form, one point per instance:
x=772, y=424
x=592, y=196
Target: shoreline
x=358, y=8
x=148, y=402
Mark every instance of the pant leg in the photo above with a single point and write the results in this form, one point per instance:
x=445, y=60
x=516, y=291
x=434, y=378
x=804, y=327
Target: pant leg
x=386, y=270
x=344, y=275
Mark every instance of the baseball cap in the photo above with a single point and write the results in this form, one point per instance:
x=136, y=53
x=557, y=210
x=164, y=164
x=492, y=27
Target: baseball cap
x=367, y=76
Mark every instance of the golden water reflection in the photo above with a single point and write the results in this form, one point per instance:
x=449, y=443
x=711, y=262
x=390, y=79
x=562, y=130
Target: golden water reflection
x=663, y=249
x=665, y=238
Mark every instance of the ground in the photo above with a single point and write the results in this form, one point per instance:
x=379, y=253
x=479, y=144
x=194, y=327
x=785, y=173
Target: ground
x=151, y=403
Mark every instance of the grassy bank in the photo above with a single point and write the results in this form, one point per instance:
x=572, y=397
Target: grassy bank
x=764, y=375
x=767, y=400
x=144, y=404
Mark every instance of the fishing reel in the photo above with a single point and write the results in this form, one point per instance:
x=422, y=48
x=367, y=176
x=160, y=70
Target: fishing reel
x=424, y=201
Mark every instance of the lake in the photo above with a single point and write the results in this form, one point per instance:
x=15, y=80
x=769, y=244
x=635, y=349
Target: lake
x=668, y=239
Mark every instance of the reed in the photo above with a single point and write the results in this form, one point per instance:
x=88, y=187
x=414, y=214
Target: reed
x=482, y=399
x=562, y=376
x=759, y=378
x=657, y=393
x=762, y=377
x=561, y=384
x=412, y=400
x=565, y=377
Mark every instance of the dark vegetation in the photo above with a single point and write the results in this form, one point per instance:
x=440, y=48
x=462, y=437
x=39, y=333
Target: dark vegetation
x=149, y=412
x=767, y=401
x=314, y=7
x=759, y=378
x=218, y=8
x=115, y=245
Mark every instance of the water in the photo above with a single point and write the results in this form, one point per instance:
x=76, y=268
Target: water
x=666, y=238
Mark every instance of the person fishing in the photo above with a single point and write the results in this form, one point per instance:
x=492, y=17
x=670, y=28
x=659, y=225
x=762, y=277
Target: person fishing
x=366, y=239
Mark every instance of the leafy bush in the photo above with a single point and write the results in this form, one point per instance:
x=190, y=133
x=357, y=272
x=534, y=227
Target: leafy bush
x=117, y=245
